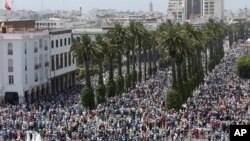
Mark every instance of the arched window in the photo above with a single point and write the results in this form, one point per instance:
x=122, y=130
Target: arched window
x=10, y=49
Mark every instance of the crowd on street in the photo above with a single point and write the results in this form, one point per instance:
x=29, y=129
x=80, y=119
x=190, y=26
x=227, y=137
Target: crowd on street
x=138, y=115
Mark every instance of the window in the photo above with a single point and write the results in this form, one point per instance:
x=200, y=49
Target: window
x=52, y=63
x=61, y=60
x=36, y=76
x=25, y=48
x=10, y=65
x=56, y=43
x=11, y=79
x=61, y=42
x=35, y=47
x=69, y=58
x=45, y=45
x=40, y=43
x=57, y=61
x=10, y=49
x=52, y=44
x=65, y=59
x=69, y=41
x=65, y=41
x=25, y=64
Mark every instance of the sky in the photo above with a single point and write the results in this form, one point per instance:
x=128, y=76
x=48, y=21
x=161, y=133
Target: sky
x=133, y=5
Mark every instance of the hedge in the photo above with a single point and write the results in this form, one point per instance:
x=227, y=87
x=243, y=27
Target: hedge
x=243, y=66
x=100, y=93
x=87, y=97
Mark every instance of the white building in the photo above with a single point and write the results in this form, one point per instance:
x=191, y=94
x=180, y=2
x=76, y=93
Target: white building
x=213, y=9
x=63, y=64
x=176, y=9
x=26, y=62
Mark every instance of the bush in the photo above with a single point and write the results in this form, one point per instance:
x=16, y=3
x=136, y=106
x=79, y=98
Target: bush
x=100, y=93
x=120, y=84
x=154, y=70
x=211, y=65
x=134, y=77
x=111, y=88
x=173, y=100
x=87, y=97
x=127, y=81
x=150, y=71
x=243, y=66
x=164, y=63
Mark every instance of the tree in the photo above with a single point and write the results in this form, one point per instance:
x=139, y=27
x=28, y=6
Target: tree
x=83, y=49
x=99, y=54
x=118, y=38
x=110, y=50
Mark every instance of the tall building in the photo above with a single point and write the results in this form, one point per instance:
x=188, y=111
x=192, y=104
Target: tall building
x=176, y=9
x=150, y=6
x=213, y=9
x=193, y=8
x=28, y=70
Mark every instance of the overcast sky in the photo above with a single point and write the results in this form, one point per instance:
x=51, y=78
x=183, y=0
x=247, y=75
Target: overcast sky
x=135, y=5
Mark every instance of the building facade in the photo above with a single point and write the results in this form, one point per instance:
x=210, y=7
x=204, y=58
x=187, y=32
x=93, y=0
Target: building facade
x=176, y=9
x=63, y=64
x=26, y=62
x=193, y=8
x=213, y=9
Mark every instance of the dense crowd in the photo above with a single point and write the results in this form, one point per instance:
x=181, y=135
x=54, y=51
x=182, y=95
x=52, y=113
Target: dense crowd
x=137, y=115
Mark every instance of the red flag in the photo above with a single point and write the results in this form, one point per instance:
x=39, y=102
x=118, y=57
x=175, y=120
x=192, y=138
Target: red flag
x=7, y=5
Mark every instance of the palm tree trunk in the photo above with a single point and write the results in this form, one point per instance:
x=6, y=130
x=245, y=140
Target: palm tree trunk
x=119, y=64
x=154, y=57
x=88, y=83
x=206, y=67
x=128, y=63
x=111, y=73
x=150, y=60
x=179, y=76
x=139, y=55
x=133, y=59
x=145, y=63
x=173, y=72
x=184, y=68
x=189, y=67
x=100, y=72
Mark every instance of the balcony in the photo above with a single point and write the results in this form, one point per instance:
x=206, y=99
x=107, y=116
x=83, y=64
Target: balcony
x=47, y=64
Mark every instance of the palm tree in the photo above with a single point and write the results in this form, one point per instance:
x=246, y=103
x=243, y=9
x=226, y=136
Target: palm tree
x=110, y=50
x=99, y=54
x=83, y=49
x=173, y=43
x=138, y=30
x=132, y=41
x=118, y=38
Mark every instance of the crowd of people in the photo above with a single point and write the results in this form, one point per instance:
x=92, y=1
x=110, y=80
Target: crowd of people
x=137, y=115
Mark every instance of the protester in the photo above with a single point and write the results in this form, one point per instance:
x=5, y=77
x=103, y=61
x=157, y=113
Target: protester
x=136, y=115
